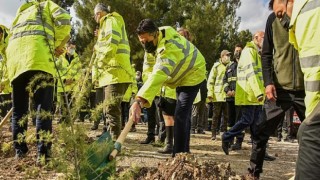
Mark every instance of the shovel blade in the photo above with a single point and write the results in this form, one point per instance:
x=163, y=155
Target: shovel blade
x=98, y=165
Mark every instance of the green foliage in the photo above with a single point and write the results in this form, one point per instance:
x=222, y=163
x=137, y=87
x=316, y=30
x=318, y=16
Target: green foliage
x=212, y=23
x=66, y=4
x=6, y=147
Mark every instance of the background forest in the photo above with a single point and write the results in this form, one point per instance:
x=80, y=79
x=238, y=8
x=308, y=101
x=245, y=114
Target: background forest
x=212, y=23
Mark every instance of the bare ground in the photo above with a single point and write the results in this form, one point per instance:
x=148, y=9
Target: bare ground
x=135, y=154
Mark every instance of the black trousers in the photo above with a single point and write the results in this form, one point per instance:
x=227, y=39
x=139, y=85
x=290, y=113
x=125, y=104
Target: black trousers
x=182, y=118
x=43, y=101
x=153, y=117
x=233, y=113
x=308, y=166
x=273, y=113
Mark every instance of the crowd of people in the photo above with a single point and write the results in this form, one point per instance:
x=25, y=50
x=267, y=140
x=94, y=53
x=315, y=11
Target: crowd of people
x=257, y=87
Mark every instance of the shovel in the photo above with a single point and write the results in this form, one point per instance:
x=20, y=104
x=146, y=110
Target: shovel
x=101, y=155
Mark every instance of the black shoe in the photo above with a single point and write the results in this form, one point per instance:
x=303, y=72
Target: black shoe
x=225, y=147
x=94, y=127
x=148, y=140
x=279, y=139
x=252, y=175
x=267, y=157
x=236, y=146
x=200, y=131
x=193, y=131
x=166, y=150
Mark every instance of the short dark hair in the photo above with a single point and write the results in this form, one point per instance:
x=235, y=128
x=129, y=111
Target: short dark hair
x=146, y=26
x=238, y=45
x=271, y=4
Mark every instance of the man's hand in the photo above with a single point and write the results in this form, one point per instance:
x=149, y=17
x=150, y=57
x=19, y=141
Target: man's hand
x=96, y=32
x=271, y=92
x=135, y=112
x=233, y=93
x=58, y=51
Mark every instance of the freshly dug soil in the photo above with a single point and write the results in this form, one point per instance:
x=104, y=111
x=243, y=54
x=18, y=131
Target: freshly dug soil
x=185, y=167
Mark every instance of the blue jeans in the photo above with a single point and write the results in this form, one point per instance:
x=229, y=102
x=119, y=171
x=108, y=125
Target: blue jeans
x=42, y=101
x=249, y=115
x=182, y=118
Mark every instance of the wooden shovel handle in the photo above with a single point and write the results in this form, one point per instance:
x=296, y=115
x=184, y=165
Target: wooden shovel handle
x=122, y=137
x=5, y=119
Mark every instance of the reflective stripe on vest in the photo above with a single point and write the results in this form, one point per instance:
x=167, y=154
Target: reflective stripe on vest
x=62, y=22
x=33, y=22
x=31, y=32
x=311, y=5
x=230, y=79
x=168, y=61
x=312, y=86
x=193, y=60
x=185, y=52
x=310, y=61
x=116, y=42
x=219, y=84
x=123, y=41
x=162, y=68
x=59, y=12
x=245, y=78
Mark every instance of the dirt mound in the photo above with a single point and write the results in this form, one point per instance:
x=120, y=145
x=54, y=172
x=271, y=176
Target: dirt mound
x=186, y=166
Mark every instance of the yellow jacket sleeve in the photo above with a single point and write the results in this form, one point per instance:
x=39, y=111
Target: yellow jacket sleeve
x=62, y=25
x=162, y=69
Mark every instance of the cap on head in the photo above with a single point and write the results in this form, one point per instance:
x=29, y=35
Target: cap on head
x=100, y=7
x=224, y=52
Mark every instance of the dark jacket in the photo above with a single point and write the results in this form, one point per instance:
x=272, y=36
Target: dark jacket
x=230, y=79
x=280, y=62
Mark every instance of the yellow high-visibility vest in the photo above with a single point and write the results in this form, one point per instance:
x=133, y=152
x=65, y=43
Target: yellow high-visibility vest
x=305, y=36
x=215, y=82
x=178, y=63
x=37, y=30
x=249, y=84
x=112, y=52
